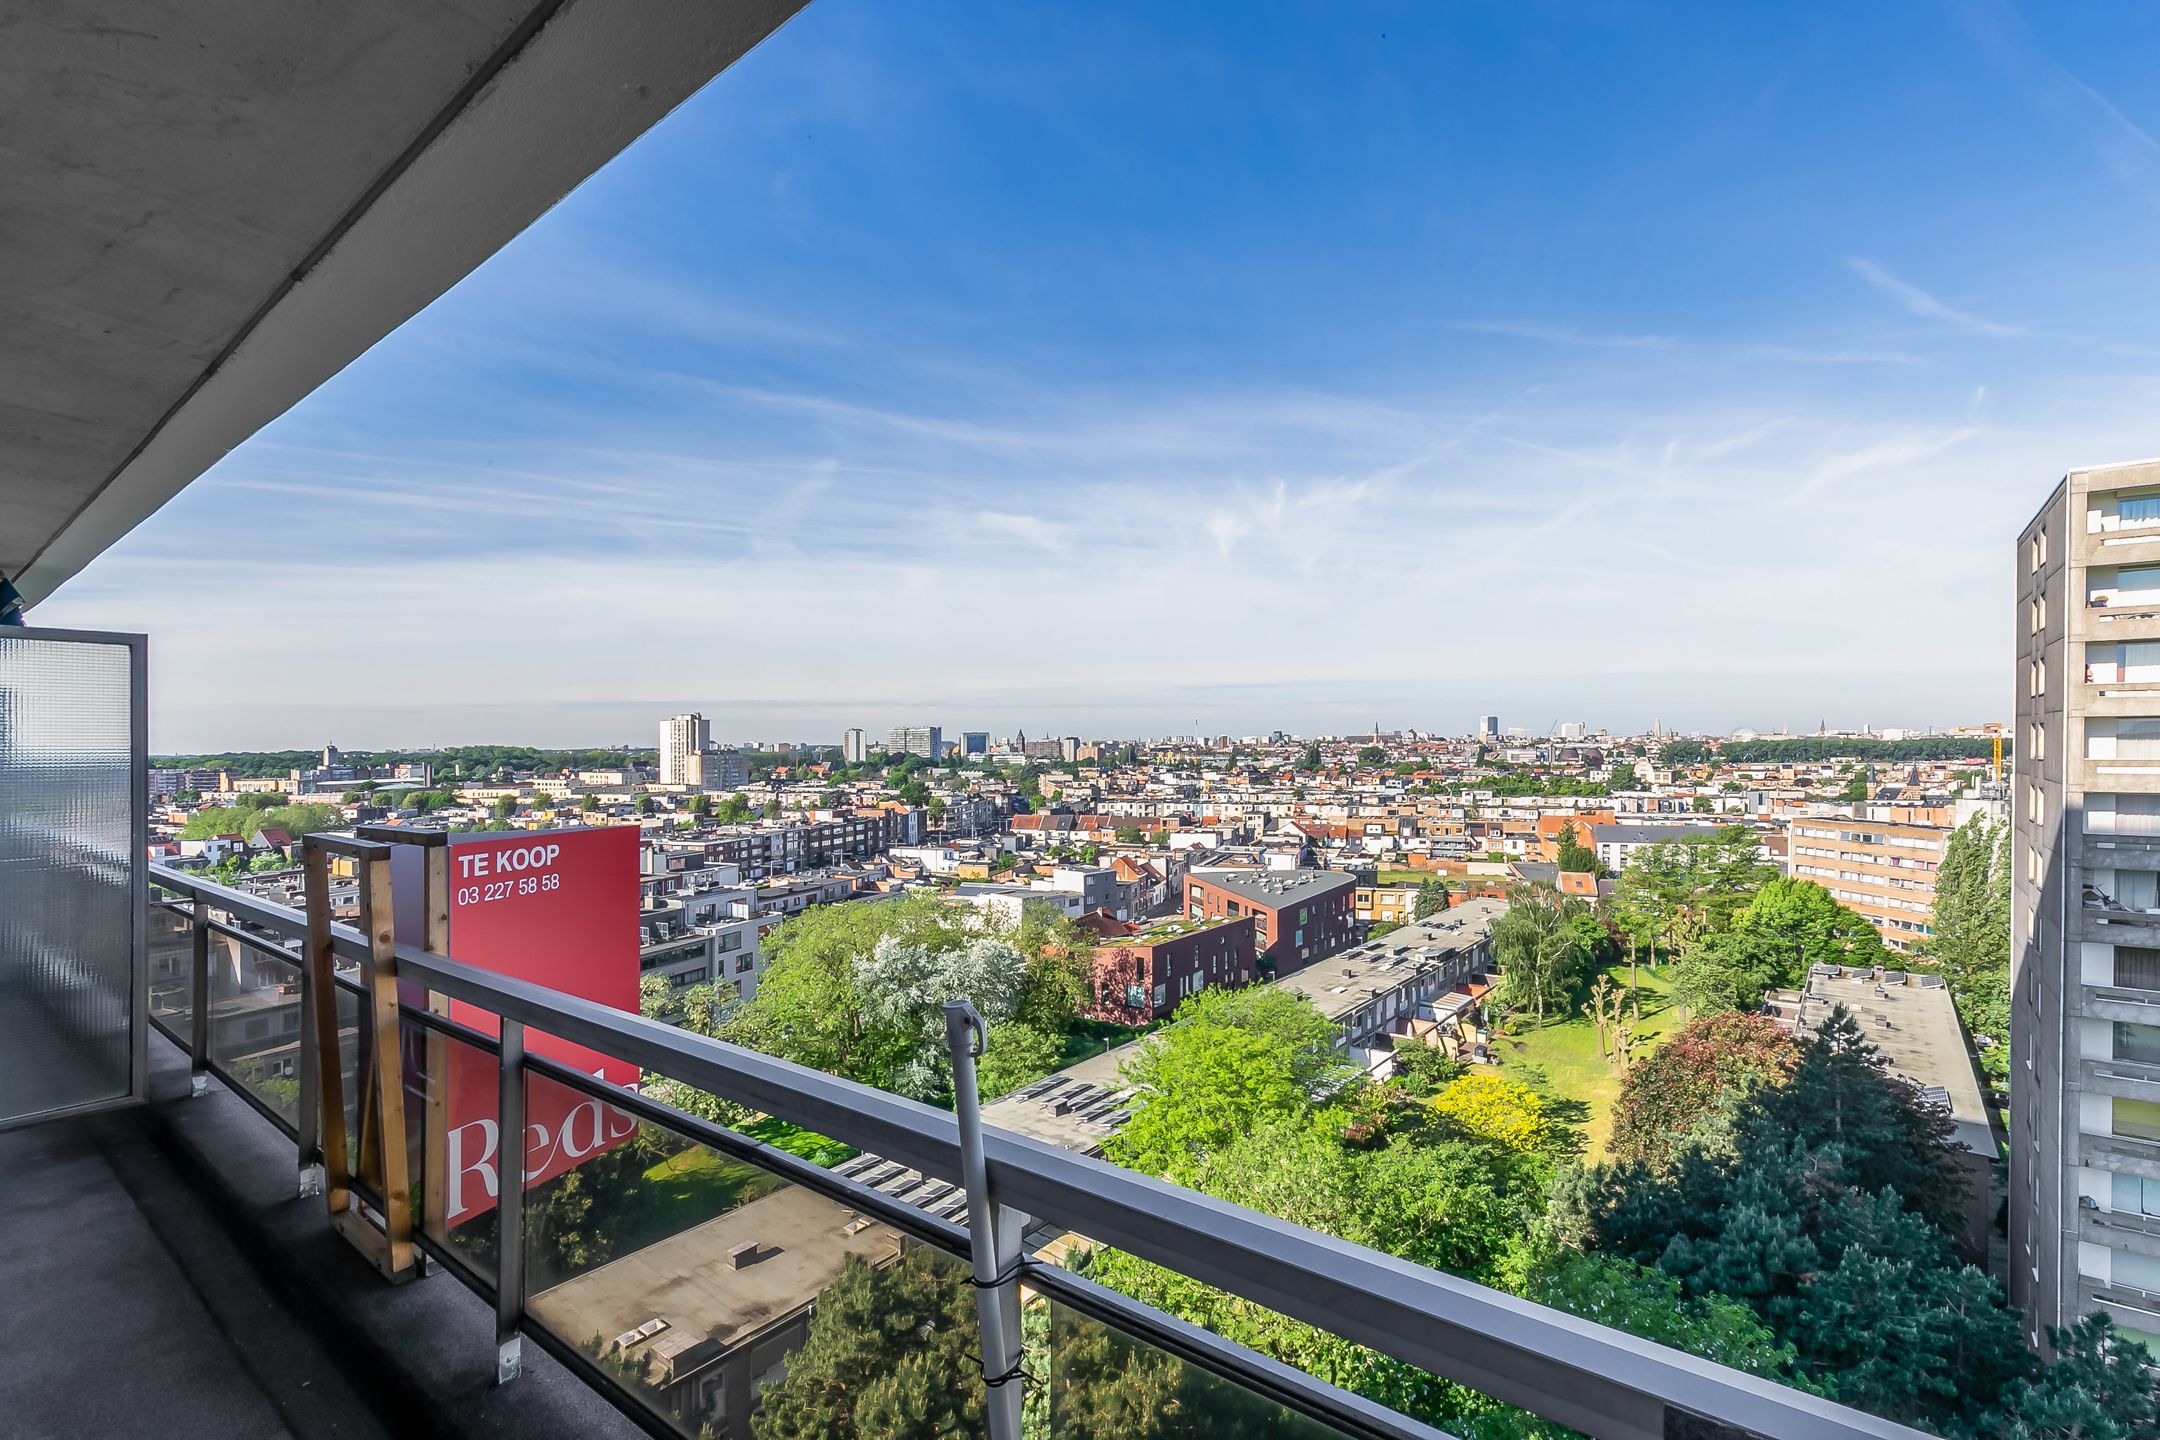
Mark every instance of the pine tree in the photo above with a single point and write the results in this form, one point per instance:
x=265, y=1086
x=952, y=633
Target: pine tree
x=891, y=1355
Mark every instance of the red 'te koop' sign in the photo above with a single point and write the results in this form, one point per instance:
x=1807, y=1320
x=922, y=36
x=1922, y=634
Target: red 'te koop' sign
x=558, y=908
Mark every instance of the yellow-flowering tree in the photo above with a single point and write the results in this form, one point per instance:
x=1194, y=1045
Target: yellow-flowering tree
x=1492, y=1107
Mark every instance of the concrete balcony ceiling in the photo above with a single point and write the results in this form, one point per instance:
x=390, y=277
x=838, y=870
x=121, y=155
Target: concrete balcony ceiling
x=213, y=209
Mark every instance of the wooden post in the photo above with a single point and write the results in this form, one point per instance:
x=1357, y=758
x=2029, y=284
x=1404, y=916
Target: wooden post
x=382, y=1150
x=435, y=1096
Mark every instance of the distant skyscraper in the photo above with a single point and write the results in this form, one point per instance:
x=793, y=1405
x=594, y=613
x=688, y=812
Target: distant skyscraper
x=681, y=736
x=974, y=742
x=852, y=747
x=924, y=740
x=1488, y=727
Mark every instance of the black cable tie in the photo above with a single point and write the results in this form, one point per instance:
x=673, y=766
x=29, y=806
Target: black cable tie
x=1018, y=1372
x=998, y=1282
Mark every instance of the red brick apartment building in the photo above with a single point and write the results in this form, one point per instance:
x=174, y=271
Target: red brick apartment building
x=1298, y=916
x=1144, y=976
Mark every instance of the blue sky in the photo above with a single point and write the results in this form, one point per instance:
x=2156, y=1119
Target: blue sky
x=1107, y=368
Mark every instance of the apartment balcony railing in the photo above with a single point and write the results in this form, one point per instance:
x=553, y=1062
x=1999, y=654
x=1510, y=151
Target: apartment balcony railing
x=2132, y=1079
x=2103, y=1226
x=746, y=1241
x=2126, y=1154
x=2142, y=1305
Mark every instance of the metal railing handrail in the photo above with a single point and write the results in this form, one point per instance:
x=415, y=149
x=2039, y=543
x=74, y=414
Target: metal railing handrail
x=1602, y=1381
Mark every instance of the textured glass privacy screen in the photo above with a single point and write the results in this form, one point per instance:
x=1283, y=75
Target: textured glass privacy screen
x=70, y=845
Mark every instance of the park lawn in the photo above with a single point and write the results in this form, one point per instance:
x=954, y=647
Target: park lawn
x=815, y=1148
x=1085, y=1039
x=1567, y=1051
x=688, y=1189
x=1409, y=877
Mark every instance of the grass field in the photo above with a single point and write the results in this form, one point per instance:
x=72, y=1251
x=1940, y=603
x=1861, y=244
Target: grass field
x=1085, y=1039
x=1408, y=877
x=1567, y=1051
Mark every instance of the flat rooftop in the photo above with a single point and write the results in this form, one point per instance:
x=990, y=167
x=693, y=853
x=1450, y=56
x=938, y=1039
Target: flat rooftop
x=1340, y=984
x=1168, y=928
x=1276, y=888
x=1914, y=1022
x=1069, y=1111
x=690, y=1281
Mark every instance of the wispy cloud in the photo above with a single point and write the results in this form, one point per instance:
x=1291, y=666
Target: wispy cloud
x=1923, y=304
x=1565, y=335
x=1800, y=355
x=1027, y=529
x=2131, y=152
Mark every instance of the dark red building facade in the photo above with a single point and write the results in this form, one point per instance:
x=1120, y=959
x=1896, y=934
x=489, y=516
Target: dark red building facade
x=1298, y=916
x=1138, y=980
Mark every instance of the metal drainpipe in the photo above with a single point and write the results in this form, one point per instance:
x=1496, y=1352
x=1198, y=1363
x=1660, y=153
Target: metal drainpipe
x=993, y=1233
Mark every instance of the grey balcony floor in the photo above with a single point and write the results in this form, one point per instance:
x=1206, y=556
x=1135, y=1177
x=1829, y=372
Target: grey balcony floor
x=104, y=1333
x=160, y=1277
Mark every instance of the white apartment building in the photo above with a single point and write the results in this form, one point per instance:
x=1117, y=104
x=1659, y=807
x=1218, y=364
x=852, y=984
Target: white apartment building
x=2085, y=906
x=681, y=736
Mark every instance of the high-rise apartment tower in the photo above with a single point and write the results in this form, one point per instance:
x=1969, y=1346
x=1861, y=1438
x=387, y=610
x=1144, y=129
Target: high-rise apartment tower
x=2084, y=1170
x=681, y=736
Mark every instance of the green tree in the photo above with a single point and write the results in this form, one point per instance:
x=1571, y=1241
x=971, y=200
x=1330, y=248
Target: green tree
x=1370, y=756
x=506, y=807
x=1060, y=969
x=1856, y=789
x=1686, y=1093
x=1844, y=1094
x=1232, y=1059
x=1441, y=1199
x=1824, y=1218
x=891, y=1354
x=2096, y=1389
x=588, y=802
x=1309, y=758
x=643, y=804
x=1541, y=952
x=1431, y=899
x=1016, y=1055
x=1729, y=970
x=1575, y=856
x=1648, y=1303
x=1802, y=922
x=1622, y=777
x=1107, y=1385
x=732, y=810
x=1970, y=942
x=1128, y=834
x=809, y=1008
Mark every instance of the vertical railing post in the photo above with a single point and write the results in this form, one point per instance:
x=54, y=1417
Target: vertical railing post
x=199, y=1016
x=510, y=1204
x=310, y=1104
x=323, y=1092
x=993, y=1235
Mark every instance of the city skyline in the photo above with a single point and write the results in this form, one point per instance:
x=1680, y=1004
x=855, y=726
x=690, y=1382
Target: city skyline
x=991, y=343
x=878, y=738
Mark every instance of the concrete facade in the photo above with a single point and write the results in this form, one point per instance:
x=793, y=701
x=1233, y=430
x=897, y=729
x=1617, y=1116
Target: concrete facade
x=2085, y=920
